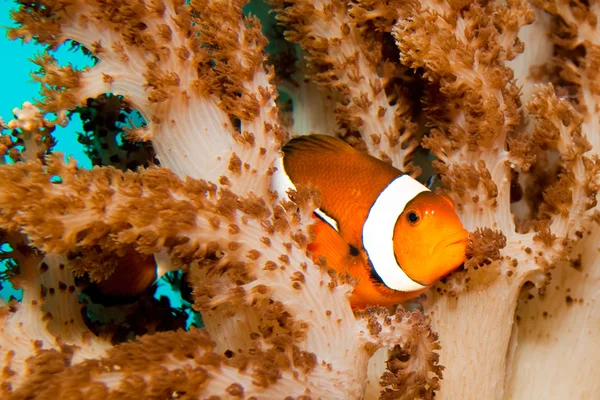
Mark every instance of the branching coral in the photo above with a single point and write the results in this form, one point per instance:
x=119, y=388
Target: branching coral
x=30, y=137
x=49, y=315
x=480, y=140
x=562, y=324
x=483, y=116
x=346, y=59
x=282, y=325
x=195, y=72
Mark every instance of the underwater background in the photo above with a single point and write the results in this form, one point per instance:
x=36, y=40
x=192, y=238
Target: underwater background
x=16, y=80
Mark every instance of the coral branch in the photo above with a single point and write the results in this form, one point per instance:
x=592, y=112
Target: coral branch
x=262, y=263
x=164, y=58
x=561, y=322
x=413, y=362
x=48, y=319
x=346, y=59
x=31, y=130
x=465, y=50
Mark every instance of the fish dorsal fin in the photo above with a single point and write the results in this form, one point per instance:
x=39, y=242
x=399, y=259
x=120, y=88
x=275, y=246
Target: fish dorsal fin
x=312, y=143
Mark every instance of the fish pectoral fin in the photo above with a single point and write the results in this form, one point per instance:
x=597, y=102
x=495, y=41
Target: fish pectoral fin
x=329, y=244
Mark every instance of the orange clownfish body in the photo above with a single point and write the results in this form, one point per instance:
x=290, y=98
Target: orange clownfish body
x=382, y=227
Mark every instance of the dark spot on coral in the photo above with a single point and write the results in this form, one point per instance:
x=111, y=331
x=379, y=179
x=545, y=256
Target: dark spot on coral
x=576, y=263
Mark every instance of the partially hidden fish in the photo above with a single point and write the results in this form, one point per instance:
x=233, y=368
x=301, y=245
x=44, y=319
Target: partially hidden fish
x=384, y=228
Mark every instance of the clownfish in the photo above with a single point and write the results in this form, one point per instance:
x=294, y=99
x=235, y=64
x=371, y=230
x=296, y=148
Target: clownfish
x=133, y=275
x=384, y=228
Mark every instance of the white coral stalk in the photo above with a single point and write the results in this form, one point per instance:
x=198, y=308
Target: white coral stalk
x=556, y=333
x=48, y=318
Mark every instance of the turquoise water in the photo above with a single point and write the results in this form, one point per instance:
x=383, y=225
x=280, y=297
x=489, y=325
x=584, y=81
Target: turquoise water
x=18, y=86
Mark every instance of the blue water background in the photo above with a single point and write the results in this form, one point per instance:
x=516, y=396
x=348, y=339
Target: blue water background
x=18, y=86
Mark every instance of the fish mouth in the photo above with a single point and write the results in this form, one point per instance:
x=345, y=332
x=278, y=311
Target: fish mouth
x=458, y=237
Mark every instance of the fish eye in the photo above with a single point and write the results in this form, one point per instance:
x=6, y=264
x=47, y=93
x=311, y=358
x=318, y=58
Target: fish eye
x=412, y=217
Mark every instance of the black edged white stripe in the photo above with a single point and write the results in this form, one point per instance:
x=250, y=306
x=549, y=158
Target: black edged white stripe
x=378, y=232
x=327, y=219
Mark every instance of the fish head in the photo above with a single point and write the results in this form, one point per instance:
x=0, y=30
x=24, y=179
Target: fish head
x=429, y=239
